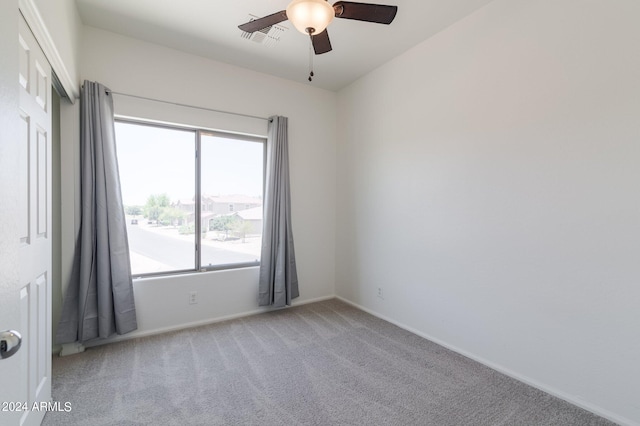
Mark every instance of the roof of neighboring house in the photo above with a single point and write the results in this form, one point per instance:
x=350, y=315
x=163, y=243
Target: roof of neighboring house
x=254, y=213
x=231, y=199
x=251, y=214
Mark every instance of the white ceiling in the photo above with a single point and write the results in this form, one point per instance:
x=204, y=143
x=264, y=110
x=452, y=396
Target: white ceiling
x=209, y=28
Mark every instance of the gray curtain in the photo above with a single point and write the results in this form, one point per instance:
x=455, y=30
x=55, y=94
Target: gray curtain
x=99, y=300
x=278, y=275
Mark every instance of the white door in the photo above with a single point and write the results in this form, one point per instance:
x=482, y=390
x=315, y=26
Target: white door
x=30, y=315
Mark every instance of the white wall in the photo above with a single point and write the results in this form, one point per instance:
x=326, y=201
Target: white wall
x=139, y=68
x=489, y=182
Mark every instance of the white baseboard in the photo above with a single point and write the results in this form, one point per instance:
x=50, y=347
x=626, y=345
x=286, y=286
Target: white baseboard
x=183, y=326
x=514, y=375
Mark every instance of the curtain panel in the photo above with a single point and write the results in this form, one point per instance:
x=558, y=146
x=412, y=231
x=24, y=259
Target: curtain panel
x=99, y=300
x=278, y=274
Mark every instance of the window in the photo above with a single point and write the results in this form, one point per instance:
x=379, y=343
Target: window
x=178, y=203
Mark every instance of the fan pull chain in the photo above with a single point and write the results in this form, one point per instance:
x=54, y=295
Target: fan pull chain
x=311, y=52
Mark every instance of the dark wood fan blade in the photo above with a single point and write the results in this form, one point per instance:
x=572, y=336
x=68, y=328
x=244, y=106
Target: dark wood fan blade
x=378, y=13
x=321, y=43
x=262, y=23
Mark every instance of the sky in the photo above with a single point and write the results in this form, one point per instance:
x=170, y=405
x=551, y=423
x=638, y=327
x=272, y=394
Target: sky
x=158, y=160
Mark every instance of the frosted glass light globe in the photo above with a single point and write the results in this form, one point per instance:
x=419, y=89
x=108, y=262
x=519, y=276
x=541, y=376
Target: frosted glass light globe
x=316, y=14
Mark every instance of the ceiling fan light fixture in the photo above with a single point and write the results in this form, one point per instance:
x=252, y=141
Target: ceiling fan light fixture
x=315, y=14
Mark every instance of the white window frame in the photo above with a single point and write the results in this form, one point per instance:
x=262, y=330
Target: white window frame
x=199, y=132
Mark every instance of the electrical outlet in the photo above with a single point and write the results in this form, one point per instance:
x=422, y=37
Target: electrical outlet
x=380, y=294
x=193, y=298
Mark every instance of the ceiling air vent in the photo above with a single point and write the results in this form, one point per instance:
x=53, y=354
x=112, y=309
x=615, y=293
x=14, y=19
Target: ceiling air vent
x=267, y=36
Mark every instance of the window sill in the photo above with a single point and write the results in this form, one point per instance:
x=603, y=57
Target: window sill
x=191, y=273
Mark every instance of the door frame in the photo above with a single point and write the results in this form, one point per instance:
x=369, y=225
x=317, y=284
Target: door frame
x=63, y=82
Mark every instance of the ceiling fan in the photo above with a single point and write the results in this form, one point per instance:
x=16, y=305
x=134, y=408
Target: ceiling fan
x=313, y=16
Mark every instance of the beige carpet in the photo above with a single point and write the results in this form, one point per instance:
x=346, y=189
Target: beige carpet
x=325, y=363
